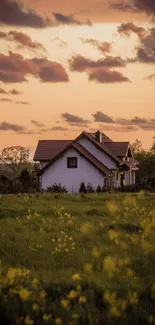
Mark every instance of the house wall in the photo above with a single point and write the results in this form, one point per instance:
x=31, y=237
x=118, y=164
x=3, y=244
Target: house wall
x=100, y=155
x=71, y=178
x=43, y=164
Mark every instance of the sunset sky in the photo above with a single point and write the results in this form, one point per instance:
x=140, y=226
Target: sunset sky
x=69, y=66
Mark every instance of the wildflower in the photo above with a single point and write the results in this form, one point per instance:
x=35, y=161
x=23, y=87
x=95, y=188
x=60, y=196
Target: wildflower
x=133, y=298
x=34, y=282
x=114, y=311
x=78, y=288
x=85, y=227
x=109, y=264
x=24, y=294
x=112, y=207
x=42, y=294
x=130, y=273
x=95, y=252
x=72, y=294
x=82, y=300
x=75, y=316
x=65, y=303
x=35, y=307
x=88, y=267
x=47, y=316
x=150, y=319
x=113, y=234
x=76, y=277
x=29, y=321
x=58, y=321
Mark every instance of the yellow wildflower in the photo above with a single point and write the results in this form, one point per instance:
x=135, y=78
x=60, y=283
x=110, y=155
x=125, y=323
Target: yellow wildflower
x=82, y=300
x=78, y=288
x=65, y=303
x=76, y=277
x=95, y=252
x=29, y=321
x=88, y=267
x=58, y=321
x=133, y=299
x=42, y=294
x=109, y=264
x=130, y=273
x=112, y=207
x=24, y=294
x=47, y=316
x=114, y=311
x=85, y=227
x=72, y=294
x=35, y=307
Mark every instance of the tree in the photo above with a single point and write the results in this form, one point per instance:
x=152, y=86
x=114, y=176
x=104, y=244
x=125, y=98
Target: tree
x=137, y=147
x=14, y=157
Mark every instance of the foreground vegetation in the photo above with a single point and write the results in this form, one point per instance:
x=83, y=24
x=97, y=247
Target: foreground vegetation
x=85, y=259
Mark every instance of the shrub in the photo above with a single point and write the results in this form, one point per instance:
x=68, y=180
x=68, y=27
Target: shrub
x=56, y=188
x=99, y=189
x=90, y=189
x=82, y=188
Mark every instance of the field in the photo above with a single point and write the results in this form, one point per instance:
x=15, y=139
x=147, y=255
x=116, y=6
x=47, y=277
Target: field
x=85, y=259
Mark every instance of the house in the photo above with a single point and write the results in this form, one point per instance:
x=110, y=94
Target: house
x=91, y=158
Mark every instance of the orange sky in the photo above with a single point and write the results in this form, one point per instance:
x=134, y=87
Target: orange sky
x=79, y=97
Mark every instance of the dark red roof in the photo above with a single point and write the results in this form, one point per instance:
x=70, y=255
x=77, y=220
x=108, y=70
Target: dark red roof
x=118, y=148
x=47, y=149
x=83, y=152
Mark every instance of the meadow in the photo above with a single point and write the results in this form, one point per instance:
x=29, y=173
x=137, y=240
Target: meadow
x=81, y=259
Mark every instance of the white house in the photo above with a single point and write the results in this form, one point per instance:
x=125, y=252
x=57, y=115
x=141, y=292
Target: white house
x=91, y=158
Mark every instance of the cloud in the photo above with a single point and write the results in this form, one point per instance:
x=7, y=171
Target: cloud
x=6, y=126
x=14, y=68
x=101, y=117
x=150, y=77
x=23, y=40
x=127, y=28
x=23, y=103
x=5, y=100
x=147, y=6
x=107, y=76
x=14, y=14
x=123, y=123
x=37, y=123
x=59, y=42
x=80, y=63
x=146, y=48
x=62, y=19
x=15, y=92
x=123, y=128
x=74, y=119
x=103, y=47
x=59, y=128
x=3, y=91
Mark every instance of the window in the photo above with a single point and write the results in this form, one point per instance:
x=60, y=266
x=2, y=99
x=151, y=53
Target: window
x=72, y=162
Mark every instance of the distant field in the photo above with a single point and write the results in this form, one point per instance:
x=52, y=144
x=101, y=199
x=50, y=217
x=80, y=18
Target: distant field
x=85, y=259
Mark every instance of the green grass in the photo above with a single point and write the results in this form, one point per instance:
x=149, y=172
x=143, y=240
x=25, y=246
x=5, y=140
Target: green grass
x=107, y=239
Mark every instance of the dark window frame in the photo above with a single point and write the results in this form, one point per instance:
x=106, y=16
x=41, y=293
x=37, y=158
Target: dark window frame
x=68, y=162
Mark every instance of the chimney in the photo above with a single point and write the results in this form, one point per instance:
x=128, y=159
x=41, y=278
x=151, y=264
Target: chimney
x=98, y=136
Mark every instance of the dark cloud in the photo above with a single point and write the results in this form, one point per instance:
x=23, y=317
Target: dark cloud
x=150, y=77
x=37, y=123
x=119, y=123
x=146, y=48
x=69, y=20
x=81, y=63
x=3, y=91
x=14, y=14
x=15, y=68
x=103, y=47
x=5, y=100
x=3, y=35
x=127, y=28
x=101, y=117
x=23, y=40
x=147, y=6
x=6, y=126
x=23, y=103
x=74, y=119
x=107, y=76
x=15, y=92
x=117, y=128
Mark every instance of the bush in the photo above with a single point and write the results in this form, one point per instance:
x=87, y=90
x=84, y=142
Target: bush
x=56, y=188
x=82, y=188
x=99, y=189
x=90, y=189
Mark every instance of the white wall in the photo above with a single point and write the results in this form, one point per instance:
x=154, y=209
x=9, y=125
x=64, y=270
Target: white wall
x=71, y=177
x=88, y=145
